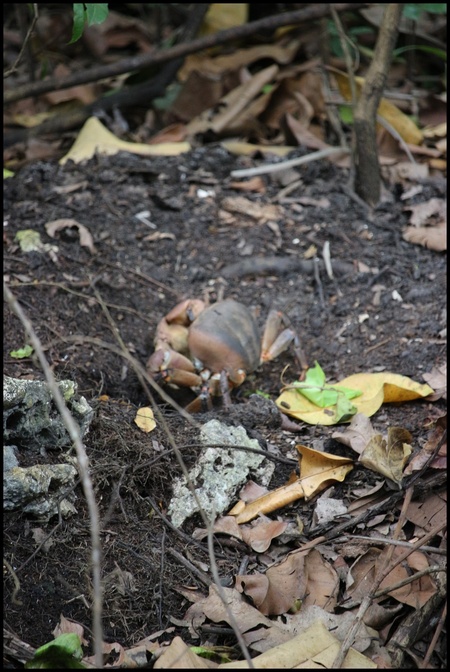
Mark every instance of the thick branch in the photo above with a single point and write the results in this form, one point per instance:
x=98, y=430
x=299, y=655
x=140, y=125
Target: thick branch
x=139, y=62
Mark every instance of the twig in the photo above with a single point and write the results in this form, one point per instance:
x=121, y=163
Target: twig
x=432, y=569
x=83, y=466
x=201, y=576
x=231, y=617
x=366, y=602
x=397, y=542
x=437, y=634
x=13, y=68
x=283, y=165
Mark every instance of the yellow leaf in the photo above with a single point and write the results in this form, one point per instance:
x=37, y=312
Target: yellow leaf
x=317, y=471
x=221, y=16
x=95, y=138
x=145, y=419
x=404, y=126
x=246, y=148
x=376, y=388
x=314, y=648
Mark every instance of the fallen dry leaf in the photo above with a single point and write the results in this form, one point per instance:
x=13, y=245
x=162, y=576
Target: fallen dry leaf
x=430, y=513
x=86, y=239
x=357, y=434
x=313, y=648
x=423, y=212
x=431, y=237
x=437, y=379
x=276, y=591
x=178, y=656
x=94, y=138
x=388, y=457
x=318, y=470
x=404, y=126
x=145, y=419
x=260, y=534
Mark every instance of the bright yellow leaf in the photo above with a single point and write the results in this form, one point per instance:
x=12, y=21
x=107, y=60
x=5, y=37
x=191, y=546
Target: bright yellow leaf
x=376, y=388
x=145, y=419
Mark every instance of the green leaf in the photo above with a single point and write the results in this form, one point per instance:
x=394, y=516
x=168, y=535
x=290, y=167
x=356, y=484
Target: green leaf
x=96, y=12
x=440, y=53
x=7, y=173
x=322, y=395
x=79, y=19
x=315, y=375
x=87, y=13
x=414, y=10
x=344, y=409
x=21, y=353
x=62, y=653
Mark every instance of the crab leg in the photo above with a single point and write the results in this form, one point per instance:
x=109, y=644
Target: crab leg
x=275, y=341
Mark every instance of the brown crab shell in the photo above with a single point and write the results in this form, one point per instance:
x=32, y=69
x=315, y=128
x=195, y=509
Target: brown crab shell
x=225, y=336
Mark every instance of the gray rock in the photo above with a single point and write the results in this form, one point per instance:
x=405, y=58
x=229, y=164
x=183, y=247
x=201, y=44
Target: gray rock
x=219, y=473
x=38, y=489
x=31, y=419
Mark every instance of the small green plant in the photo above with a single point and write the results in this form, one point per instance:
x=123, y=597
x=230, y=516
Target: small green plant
x=63, y=653
x=318, y=392
x=87, y=13
x=21, y=353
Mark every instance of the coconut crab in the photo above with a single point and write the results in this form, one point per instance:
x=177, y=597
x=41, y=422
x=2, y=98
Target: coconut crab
x=211, y=349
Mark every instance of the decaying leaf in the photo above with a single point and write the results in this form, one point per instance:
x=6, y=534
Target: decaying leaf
x=437, y=379
x=388, y=457
x=276, y=591
x=357, y=434
x=363, y=571
x=86, y=239
x=431, y=237
x=30, y=241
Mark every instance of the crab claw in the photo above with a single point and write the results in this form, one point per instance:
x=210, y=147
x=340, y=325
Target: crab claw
x=275, y=341
x=185, y=312
x=173, y=367
x=175, y=336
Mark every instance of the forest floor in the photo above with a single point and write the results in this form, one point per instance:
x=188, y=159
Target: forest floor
x=384, y=310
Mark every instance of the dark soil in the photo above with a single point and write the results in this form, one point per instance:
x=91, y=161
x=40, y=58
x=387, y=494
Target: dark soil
x=340, y=323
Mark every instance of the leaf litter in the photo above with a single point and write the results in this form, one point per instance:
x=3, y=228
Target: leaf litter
x=288, y=598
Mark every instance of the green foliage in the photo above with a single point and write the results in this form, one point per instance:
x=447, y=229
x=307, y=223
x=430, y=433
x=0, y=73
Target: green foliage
x=414, y=10
x=63, y=653
x=21, y=353
x=315, y=389
x=353, y=34
x=89, y=13
x=439, y=53
x=7, y=173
